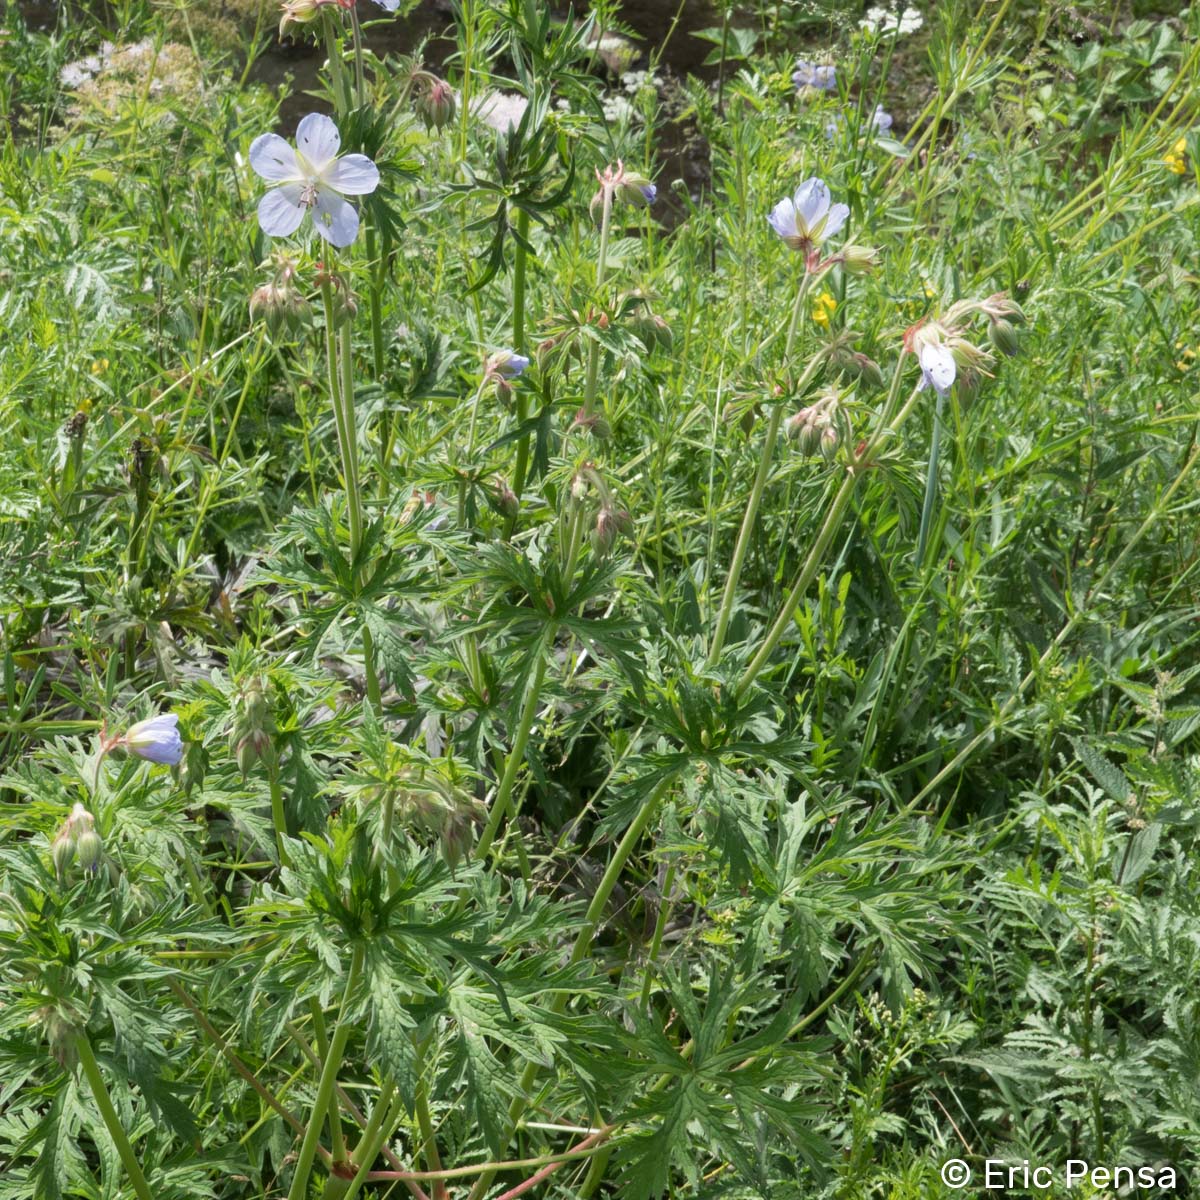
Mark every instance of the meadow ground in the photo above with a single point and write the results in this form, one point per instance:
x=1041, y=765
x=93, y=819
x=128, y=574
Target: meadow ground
x=583, y=616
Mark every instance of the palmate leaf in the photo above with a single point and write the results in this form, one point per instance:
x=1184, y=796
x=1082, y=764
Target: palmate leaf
x=723, y=1092
x=60, y=1163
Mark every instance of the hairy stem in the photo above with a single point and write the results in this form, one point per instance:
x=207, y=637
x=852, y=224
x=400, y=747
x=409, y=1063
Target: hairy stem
x=326, y=1083
x=741, y=548
x=112, y=1122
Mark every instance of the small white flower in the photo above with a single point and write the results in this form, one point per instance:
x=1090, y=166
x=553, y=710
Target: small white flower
x=881, y=120
x=806, y=219
x=311, y=178
x=882, y=20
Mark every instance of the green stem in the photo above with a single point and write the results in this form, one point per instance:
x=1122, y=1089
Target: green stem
x=518, y=335
x=359, y=75
x=935, y=444
x=583, y=941
x=593, y=363
x=660, y=925
x=325, y=1086
x=377, y=269
x=742, y=547
x=375, y=1136
x=321, y=1037
x=354, y=498
x=278, y=817
x=91, y=1069
x=833, y=520
x=516, y=756
x=433, y=1160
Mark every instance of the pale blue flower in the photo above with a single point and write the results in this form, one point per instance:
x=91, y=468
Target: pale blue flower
x=650, y=191
x=156, y=739
x=881, y=120
x=311, y=178
x=508, y=364
x=806, y=219
x=818, y=76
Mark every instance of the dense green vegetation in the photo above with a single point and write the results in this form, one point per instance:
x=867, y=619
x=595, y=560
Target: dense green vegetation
x=536, y=679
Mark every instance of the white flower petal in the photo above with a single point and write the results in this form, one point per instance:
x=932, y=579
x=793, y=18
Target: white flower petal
x=335, y=218
x=352, y=175
x=280, y=211
x=937, y=366
x=835, y=218
x=783, y=219
x=390, y=5
x=318, y=140
x=812, y=201
x=273, y=159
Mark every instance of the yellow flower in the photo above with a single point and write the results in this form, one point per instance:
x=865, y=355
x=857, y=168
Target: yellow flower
x=823, y=307
x=1175, y=161
x=99, y=366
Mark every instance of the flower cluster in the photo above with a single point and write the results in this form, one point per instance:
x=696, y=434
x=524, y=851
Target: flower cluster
x=77, y=840
x=501, y=368
x=815, y=427
x=312, y=179
x=1176, y=158
x=823, y=308
x=280, y=303
x=810, y=77
x=943, y=350
x=881, y=20
x=880, y=122
x=302, y=12
x=616, y=182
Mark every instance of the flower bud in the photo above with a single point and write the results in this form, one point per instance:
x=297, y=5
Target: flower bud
x=436, y=106
x=829, y=443
x=606, y=529
x=505, y=499
x=637, y=190
x=297, y=12
x=797, y=423
x=88, y=848
x=62, y=852
x=591, y=423
x=859, y=260
x=1003, y=336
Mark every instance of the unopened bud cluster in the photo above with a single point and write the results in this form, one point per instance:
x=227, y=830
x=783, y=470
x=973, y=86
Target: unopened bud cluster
x=252, y=738
x=280, y=302
x=815, y=427
x=616, y=183
x=612, y=519
x=77, y=841
x=435, y=103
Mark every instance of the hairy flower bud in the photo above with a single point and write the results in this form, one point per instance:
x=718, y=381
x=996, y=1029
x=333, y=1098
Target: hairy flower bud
x=88, y=848
x=62, y=852
x=859, y=260
x=1003, y=336
x=436, y=105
